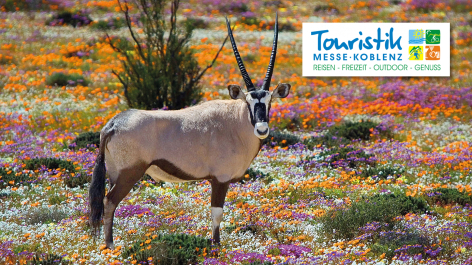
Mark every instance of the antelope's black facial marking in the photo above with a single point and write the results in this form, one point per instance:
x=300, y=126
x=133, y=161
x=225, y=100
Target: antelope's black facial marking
x=258, y=103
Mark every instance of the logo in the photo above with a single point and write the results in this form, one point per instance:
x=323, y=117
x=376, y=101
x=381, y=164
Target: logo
x=432, y=52
x=433, y=36
x=416, y=53
x=416, y=36
x=376, y=49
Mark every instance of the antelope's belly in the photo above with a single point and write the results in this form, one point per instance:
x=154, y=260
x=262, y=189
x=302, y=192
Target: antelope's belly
x=158, y=174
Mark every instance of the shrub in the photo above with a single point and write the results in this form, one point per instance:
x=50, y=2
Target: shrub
x=32, y=5
x=45, y=215
x=86, y=140
x=49, y=163
x=382, y=208
x=9, y=177
x=236, y=7
x=47, y=259
x=114, y=23
x=119, y=42
x=26, y=247
x=382, y=172
x=282, y=139
x=198, y=23
x=326, y=8
x=77, y=19
x=56, y=199
x=77, y=180
x=354, y=130
x=392, y=243
x=5, y=59
x=169, y=249
x=258, y=262
x=251, y=20
x=406, y=204
x=168, y=78
x=345, y=156
x=254, y=174
x=327, y=140
x=146, y=180
x=61, y=79
x=283, y=26
x=448, y=196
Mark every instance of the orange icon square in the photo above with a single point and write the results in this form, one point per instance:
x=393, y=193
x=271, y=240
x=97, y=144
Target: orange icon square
x=432, y=52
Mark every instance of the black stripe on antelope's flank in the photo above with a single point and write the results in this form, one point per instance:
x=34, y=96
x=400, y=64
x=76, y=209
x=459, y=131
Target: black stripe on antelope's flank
x=173, y=170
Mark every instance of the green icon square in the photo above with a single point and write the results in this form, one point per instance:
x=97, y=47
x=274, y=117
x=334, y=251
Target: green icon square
x=433, y=36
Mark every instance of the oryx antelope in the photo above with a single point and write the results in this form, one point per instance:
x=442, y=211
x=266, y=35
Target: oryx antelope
x=216, y=141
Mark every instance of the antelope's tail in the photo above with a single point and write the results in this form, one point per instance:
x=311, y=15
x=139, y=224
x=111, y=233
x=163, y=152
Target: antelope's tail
x=97, y=187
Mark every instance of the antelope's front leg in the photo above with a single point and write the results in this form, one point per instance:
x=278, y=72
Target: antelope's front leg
x=218, y=194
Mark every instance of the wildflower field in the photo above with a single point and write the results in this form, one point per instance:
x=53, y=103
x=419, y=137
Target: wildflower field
x=355, y=171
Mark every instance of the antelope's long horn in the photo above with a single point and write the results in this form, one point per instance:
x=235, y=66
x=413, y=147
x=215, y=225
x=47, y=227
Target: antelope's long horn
x=247, y=79
x=270, y=69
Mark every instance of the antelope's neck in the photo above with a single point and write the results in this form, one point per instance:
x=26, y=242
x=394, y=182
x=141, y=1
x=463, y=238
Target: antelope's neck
x=247, y=133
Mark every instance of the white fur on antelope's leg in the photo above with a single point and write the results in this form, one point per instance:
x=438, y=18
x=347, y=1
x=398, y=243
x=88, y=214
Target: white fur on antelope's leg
x=216, y=217
x=218, y=195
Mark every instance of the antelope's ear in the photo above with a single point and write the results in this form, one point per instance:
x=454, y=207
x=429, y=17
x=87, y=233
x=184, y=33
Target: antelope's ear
x=281, y=91
x=235, y=92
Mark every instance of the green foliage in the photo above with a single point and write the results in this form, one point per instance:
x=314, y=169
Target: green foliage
x=114, y=23
x=49, y=163
x=48, y=259
x=274, y=251
x=147, y=179
x=161, y=69
x=392, y=241
x=448, y=196
x=28, y=5
x=382, y=172
x=331, y=193
x=282, y=139
x=354, y=130
x=327, y=140
x=292, y=124
x=254, y=174
x=382, y=208
x=286, y=26
x=251, y=21
x=324, y=8
x=258, y=262
x=76, y=19
x=62, y=79
x=26, y=247
x=169, y=249
x=83, y=140
x=236, y=7
x=5, y=59
x=56, y=199
x=338, y=156
x=119, y=42
x=8, y=175
x=77, y=180
x=198, y=23
x=45, y=215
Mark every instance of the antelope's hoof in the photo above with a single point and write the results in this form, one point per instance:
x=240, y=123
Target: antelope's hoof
x=110, y=245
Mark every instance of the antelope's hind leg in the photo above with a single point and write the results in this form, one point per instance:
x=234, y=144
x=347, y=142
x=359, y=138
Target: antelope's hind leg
x=218, y=195
x=120, y=188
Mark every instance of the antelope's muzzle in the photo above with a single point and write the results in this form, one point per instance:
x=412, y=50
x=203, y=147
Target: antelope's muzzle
x=261, y=130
